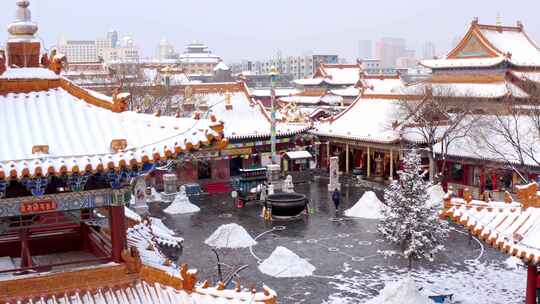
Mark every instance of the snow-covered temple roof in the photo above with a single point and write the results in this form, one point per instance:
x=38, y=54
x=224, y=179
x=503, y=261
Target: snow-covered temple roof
x=351, y=91
x=243, y=116
x=313, y=98
x=380, y=84
x=484, y=142
x=511, y=227
x=370, y=120
x=488, y=46
x=333, y=74
x=467, y=86
x=63, y=128
x=280, y=92
x=146, y=292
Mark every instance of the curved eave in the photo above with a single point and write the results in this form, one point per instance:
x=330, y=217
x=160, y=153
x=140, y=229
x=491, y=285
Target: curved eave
x=489, y=159
x=358, y=138
x=267, y=135
x=490, y=235
x=125, y=160
x=462, y=65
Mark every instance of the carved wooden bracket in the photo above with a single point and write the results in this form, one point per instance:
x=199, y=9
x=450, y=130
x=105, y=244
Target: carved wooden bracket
x=118, y=145
x=40, y=149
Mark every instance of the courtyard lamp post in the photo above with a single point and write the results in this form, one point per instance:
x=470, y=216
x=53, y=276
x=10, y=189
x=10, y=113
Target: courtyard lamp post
x=273, y=79
x=167, y=74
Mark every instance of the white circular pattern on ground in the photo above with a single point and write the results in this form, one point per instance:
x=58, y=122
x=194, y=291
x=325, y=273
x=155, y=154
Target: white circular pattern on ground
x=298, y=242
x=336, y=219
x=333, y=249
x=312, y=241
x=364, y=243
x=343, y=235
x=225, y=215
x=471, y=262
x=379, y=240
x=279, y=228
x=349, y=246
x=358, y=259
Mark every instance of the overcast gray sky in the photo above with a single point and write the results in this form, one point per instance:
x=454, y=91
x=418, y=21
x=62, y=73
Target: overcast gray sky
x=255, y=29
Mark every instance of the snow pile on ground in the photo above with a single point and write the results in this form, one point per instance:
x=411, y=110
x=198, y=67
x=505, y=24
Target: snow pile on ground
x=369, y=207
x=284, y=263
x=436, y=194
x=512, y=263
x=230, y=236
x=471, y=282
x=402, y=292
x=181, y=205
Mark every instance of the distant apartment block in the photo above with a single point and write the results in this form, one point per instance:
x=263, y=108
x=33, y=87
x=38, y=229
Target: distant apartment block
x=106, y=49
x=165, y=50
x=365, y=49
x=79, y=50
x=373, y=66
x=388, y=50
x=429, y=51
x=296, y=66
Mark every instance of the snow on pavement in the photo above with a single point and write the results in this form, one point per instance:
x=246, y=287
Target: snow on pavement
x=404, y=291
x=230, y=236
x=368, y=207
x=471, y=283
x=284, y=263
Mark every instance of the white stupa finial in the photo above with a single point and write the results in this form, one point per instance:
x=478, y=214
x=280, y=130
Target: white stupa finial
x=23, y=26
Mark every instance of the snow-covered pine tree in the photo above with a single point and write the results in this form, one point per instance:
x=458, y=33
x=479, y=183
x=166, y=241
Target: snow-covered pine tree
x=409, y=220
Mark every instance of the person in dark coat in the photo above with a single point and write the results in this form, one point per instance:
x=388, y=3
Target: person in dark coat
x=336, y=197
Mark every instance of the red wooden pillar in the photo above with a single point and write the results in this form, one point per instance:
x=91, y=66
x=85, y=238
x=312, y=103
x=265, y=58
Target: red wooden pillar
x=118, y=232
x=494, y=180
x=482, y=179
x=530, y=293
x=26, y=257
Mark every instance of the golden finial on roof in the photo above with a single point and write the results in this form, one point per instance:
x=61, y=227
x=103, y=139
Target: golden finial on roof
x=499, y=20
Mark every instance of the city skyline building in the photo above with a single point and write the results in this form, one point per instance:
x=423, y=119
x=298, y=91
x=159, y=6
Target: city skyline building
x=365, y=49
x=429, y=50
x=165, y=50
x=389, y=49
x=107, y=49
x=297, y=67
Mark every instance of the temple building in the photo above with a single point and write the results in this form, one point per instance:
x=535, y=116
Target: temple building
x=198, y=60
x=247, y=128
x=494, y=68
x=492, y=63
x=91, y=75
x=332, y=76
x=368, y=135
x=65, y=167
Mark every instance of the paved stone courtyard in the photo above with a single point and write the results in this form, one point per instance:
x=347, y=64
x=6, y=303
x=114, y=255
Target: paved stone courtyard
x=344, y=251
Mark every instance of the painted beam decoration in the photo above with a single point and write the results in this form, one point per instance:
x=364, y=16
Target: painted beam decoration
x=63, y=202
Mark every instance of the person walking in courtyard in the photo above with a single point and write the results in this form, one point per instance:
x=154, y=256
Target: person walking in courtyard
x=336, y=197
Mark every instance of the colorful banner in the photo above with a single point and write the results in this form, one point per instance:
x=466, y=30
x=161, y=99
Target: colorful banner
x=63, y=202
x=234, y=152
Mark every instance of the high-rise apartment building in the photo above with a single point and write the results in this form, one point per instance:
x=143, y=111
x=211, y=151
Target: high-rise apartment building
x=112, y=38
x=429, y=50
x=388, y=50
x=296, y=66
x=79, y=50
x=107, y=49
x=165, y=50
x=365, y=49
